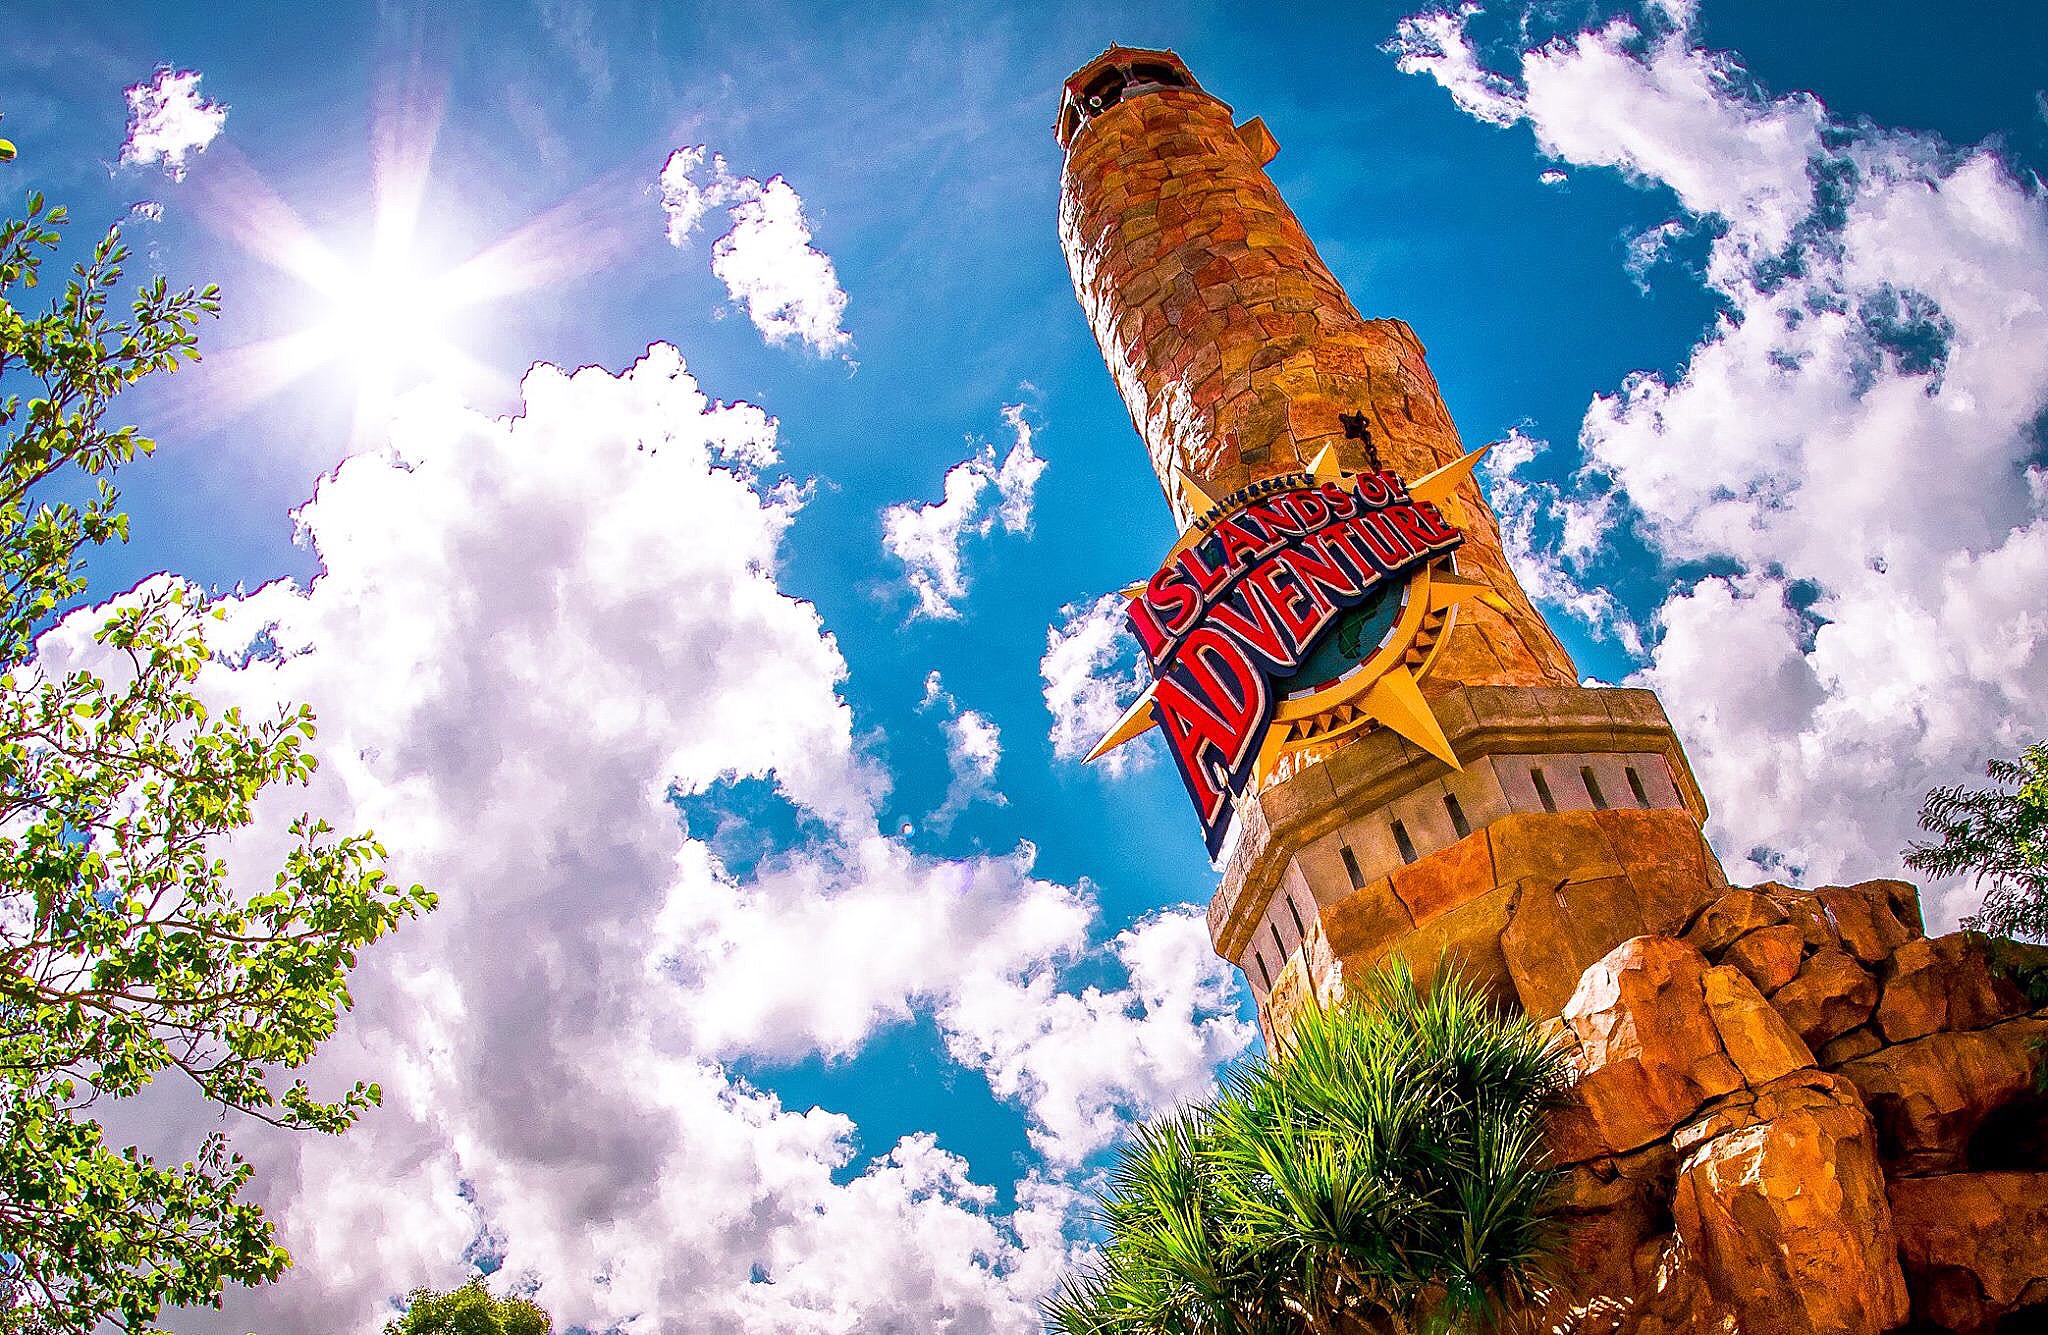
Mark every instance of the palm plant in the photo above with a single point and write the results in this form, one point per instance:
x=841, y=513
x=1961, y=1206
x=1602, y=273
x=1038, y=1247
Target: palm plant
x=1383, y=1171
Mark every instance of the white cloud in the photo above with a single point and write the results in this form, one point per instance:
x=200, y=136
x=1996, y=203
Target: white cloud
x=685, y=200
x=766, y=260
x=1858, y=436
x=1434, y=43
x=1552, y=176
x=788, y=285
x=927, y=538
x=1548, y=535
x=1092, y=672
x=974, y=747
x=168, y=121
x=1649, y=248
x=1087, y=1063
x=526, y=634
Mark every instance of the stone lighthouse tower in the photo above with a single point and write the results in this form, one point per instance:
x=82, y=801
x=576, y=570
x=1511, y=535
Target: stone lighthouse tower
x=1241, y=358
x=1792, y=1111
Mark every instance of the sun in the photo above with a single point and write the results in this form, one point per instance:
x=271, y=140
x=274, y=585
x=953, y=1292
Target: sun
x=389, y=320
x=392, y=312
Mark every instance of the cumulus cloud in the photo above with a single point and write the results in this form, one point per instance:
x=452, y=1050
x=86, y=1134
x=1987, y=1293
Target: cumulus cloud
x=1857, y=438
x=1434, y=43
x=529, y=637
x=1087, y=1063
x=685, y=200
x=1092, y=672
x=766, y=260
x=974, y=747
x=927, y=538
x=168, y=121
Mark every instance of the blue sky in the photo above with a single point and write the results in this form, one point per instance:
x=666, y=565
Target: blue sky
x=1756, y=298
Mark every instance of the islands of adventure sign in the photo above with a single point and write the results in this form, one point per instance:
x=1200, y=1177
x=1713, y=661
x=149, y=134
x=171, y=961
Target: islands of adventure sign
x=1290, y=613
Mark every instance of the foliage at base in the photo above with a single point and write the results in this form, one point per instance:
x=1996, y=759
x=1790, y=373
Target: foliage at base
x=1383, y=1171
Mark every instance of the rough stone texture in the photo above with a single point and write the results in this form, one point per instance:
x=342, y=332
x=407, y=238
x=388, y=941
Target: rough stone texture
x=1755, y=1037
x=1730, y=916
x=1721, y=1181
x=1866, y=918
x=1236, y=349
x=1804, y=910
x=1649, y=1053
x=1526, y=904
x=1858, y=1042
x=1831, y=995
x=1972, y=1245
x=1786, y=1213
x=1944, y=983
x=1932, y=1095
x=1556, y=931
x=1769, y=956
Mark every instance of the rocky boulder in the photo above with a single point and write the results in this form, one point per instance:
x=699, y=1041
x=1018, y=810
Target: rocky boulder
x=1973, y=1246
x=1780, y=1199
x=1943, y=983
x=1830, y=995
x=1557, y=930
x=1868, y=916
x=1769, y=956
x=1731, y=916
x=1648, y=1053
x=1931, y=1096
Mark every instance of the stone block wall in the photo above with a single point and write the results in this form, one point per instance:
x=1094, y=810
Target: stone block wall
x=1238, y=352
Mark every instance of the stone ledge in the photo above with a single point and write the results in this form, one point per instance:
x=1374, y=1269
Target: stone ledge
x=1380, y=767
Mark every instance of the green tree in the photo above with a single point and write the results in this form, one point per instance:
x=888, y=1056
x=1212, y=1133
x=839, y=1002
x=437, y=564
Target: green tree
x=1385, y=1171
x=127, y=950
x=469, y=1310
x=1999, y=836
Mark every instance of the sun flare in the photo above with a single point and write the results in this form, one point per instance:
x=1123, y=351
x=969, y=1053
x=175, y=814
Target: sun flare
x=389, y=319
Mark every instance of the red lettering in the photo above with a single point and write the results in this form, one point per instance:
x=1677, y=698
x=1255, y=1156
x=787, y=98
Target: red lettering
x=1301, y=609
x=1341, y=542
x=1446, y=531
x=1314, y=510
x=1384, y=547
x=1316, y=570
x=1240, y=545
x=1418, y=528
x=1254, y=623
x=1277, y=518
x=1210, y=706
x=1206, y=580
x=1372, y=489
x=1145, y=623
x=1170, y=596
x=1342, y=503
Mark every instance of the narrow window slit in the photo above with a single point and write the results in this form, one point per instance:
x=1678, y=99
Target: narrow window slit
x=1265, y=979
x=1635, y=785
x=1351, y=867
x=1403, y=842
x=1458, y=821
x=1278, y=944
x=1593, y=788
x=1300, y=932
x=1543, y=790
